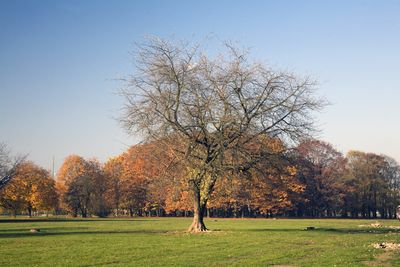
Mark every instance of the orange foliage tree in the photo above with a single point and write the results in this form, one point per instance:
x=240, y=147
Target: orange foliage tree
x=32, y=189
x=83, y=186
x=113, y=170
x=138, y=179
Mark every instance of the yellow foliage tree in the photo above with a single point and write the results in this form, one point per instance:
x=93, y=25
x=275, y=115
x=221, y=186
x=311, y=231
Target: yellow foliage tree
x=32, y=189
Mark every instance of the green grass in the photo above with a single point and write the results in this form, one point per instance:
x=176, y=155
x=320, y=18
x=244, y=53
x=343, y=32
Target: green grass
x=163, y=242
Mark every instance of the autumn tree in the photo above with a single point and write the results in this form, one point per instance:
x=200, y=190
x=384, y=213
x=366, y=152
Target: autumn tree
x=178, y=199
x=142, y=174
x=270, y=188
x=72, y=168
x=227, y=198
x=276, y=191
x=128, y=180
x=113, y=170
x=320, y=169
x=374, y=180
x=83, y=186
x=31, y=189
x=390, y=196
x=99, y=205
x=215, y=113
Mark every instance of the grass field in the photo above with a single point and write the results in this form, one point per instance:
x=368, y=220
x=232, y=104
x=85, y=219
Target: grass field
x=163, y=242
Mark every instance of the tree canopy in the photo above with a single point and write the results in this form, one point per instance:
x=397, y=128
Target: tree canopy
x=223, y=110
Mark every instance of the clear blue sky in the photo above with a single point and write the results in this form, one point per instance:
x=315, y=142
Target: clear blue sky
x=59, y=61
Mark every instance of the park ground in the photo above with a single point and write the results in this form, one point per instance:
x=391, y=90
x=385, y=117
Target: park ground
x=164, y=242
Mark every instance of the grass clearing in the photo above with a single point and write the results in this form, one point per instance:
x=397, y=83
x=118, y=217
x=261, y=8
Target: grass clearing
x=163, y=242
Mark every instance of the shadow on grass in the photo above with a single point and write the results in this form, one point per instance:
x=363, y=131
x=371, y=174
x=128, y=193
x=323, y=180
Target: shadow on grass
x=50, y=232
x=333, y=230
x=359, y=231
x=42, y=229
x=73, y=220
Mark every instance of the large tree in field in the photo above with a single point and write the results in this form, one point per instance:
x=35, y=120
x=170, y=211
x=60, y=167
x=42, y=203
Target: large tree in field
x=217, y=114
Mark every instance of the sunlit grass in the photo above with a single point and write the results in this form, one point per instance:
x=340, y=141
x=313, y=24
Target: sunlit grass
x=163, y=242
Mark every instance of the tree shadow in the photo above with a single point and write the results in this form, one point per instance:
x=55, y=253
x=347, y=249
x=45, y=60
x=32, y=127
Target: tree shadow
x=49, y=232
x=42, y=229
x=382, y=230
x=27, y=220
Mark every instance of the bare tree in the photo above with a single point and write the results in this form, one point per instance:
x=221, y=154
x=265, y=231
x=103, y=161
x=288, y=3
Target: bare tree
x=8, y=165
x=218, y=113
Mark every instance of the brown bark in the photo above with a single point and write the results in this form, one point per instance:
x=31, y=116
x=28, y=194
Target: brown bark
x=198, y=218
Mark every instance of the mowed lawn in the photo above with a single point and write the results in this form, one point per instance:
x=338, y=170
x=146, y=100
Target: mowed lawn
x=163, y=242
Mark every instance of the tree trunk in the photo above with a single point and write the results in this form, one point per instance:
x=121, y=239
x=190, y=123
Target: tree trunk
x=74, y=213
x=198, y=218
x=84, y=212
x=30, y=212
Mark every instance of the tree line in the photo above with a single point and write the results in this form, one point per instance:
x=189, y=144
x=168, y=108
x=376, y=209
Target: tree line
x=311, y=180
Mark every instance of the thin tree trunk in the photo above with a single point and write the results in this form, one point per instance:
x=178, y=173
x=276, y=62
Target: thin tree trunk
x=84, y=213
x=75, y=213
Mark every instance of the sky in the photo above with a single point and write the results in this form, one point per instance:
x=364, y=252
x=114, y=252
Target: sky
x=61, y=61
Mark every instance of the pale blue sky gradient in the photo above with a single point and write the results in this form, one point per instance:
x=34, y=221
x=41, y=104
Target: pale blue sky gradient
x=59, y=61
